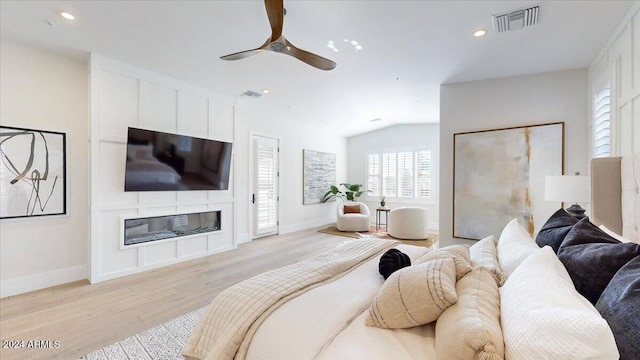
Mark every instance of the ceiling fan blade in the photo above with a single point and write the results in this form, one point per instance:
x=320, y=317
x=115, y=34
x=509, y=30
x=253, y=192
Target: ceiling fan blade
x=311, y=59
x=241, y=54
x=246, y=53
x=275, y=12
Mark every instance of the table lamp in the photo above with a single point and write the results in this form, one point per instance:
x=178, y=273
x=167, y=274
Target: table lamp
x=569, y=188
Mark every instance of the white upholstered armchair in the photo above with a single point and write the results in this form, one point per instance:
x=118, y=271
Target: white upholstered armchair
x=410, y=223
x=353, y=216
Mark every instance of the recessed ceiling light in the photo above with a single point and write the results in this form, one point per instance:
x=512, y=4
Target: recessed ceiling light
x=67, y=15
x=480, y=33
x=265, y=91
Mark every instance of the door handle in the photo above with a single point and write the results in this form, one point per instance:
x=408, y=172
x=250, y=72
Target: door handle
x=253, y=198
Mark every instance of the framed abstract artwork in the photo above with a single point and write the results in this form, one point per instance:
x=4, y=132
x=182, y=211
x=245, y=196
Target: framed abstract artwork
x=32, y=173
x=319, y=173
x=499, y=175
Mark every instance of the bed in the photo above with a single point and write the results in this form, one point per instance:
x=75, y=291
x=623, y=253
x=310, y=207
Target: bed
x=505, y=297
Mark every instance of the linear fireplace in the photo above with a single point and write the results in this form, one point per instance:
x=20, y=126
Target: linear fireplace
x=148, y=229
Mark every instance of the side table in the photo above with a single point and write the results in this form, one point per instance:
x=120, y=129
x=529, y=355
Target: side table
x=379, y=211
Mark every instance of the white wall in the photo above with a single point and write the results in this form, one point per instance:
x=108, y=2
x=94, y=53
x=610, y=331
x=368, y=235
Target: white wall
x=619, y=66
x=123, y=96
x=396, y=137
x=509, y=102
x=44, y=91
x=259, y=117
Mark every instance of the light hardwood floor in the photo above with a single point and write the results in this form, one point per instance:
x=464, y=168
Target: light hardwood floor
x=84, y=317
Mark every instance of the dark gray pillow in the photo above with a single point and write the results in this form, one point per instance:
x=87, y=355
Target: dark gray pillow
x=592, y=258
x=555, y=229
x=619, y=304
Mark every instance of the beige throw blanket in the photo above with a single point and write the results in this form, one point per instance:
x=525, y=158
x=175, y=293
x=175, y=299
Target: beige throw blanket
x=225, y=330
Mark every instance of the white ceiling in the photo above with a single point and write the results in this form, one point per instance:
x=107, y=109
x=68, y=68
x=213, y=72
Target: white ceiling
x=409, y=48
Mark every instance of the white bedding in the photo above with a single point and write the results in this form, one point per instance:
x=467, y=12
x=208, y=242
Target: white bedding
x=306, y=325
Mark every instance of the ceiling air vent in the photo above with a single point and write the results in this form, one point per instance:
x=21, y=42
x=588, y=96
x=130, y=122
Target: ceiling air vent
x=516, y=19
x=251, y=94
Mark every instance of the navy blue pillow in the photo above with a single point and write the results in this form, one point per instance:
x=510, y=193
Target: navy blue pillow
x=592, y=258
x=619, y=304
x=555, y=229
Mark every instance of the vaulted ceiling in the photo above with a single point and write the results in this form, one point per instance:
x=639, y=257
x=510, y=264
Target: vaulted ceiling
x=407, y=49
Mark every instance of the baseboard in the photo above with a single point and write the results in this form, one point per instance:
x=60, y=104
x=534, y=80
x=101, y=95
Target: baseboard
x=45, y=280
x=285, y=229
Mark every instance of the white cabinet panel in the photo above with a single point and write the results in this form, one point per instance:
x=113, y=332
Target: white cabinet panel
x=159, y=253
x=636, y=124
x=193, y=115
x=625, y=121
x=118, y=104
x=621, y=54
x=193, y=246
x=110, y=180
x=636, y=53
x=112, y=258
x=159, y=107
x=222, y=122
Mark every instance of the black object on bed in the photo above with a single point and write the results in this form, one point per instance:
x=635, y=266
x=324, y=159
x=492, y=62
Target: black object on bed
x=391, y=261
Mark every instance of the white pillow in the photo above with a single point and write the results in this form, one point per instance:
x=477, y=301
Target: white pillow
x=514, y=246
x=614, y=235
x=544, y=317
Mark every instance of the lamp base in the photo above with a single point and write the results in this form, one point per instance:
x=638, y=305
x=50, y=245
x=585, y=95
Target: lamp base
x=576, y=211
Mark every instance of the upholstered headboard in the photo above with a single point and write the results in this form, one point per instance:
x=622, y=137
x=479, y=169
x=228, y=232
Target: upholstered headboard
x=615, y=194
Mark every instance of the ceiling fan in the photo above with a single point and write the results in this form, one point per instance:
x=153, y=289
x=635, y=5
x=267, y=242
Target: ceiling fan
x=279, y=44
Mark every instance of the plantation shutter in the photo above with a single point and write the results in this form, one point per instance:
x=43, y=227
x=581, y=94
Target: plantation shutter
x=602, y=123
x=373, y=180
x=423, y=176
x=266, y=197
x=389, y=173
x=405, y=174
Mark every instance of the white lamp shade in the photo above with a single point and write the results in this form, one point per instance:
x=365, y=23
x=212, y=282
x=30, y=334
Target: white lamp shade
x=567, y=188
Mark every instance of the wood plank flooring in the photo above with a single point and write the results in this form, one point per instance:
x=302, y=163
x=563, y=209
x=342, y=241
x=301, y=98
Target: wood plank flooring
x=82, y=317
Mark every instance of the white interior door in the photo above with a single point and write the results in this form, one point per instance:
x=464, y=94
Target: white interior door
x=264, y=198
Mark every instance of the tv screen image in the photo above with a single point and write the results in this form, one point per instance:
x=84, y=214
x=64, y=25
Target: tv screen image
x=158, y=161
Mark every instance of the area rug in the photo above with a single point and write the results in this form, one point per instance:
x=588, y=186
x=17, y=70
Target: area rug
x=163, y=342
x=380, y=234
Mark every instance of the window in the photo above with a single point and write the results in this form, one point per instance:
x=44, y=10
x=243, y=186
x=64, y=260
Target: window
x=404, y=174
x=601, y=126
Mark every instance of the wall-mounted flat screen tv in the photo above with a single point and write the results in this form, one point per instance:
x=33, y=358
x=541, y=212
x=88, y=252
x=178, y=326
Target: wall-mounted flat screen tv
x=158, y=161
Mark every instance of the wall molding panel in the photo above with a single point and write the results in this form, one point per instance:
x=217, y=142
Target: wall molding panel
x=618, y=65
x=121, y=96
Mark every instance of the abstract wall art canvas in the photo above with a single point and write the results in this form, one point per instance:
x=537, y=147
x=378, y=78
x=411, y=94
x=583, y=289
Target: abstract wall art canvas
x=32, y=173
x=318, y=175
x=499, y=175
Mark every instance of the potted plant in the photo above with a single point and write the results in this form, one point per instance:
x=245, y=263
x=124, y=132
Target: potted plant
x=382, y=203
x=351, y=193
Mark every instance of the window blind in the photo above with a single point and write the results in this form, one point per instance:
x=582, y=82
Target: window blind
x=601, y=126
x=403, y=174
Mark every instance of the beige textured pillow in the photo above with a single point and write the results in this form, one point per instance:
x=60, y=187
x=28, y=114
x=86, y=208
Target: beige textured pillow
x=470, y=329
x=414, y=295
x=459, y=254
x=484, y=254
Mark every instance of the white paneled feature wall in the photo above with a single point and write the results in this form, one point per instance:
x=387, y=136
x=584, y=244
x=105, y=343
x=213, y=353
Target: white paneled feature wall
x=123, y=96
x=618, y=65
